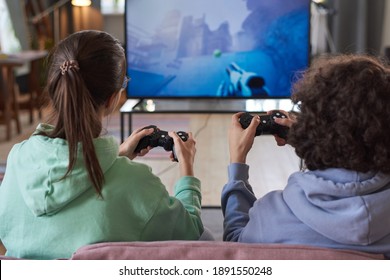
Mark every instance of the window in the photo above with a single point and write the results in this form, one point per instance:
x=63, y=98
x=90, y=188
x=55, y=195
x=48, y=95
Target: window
x=8, y=41
x=112, y=6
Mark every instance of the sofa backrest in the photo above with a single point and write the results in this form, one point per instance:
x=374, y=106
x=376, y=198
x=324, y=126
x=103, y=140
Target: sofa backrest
x=212, y=250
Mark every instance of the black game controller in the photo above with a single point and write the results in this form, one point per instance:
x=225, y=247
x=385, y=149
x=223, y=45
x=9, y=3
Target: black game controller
x=267, y=124
x=160, y=138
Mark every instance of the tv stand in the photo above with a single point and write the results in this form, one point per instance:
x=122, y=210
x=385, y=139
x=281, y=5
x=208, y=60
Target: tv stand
x=197, y=106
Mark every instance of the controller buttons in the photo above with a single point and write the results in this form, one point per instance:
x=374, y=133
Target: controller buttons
x=279, y=115
x=181, y=135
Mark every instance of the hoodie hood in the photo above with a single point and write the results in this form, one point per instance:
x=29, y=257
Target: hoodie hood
x=346, y=206
x=46, y=162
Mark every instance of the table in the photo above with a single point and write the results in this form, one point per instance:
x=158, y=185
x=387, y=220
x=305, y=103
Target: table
x=197, y=106
x=8, y=97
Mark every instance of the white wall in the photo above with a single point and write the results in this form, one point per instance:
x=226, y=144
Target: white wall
x=115, y=25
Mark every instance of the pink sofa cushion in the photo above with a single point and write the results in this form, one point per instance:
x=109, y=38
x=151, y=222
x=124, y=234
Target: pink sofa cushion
x=212, y=250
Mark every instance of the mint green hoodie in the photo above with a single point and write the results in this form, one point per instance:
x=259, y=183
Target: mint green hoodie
x=43, y=217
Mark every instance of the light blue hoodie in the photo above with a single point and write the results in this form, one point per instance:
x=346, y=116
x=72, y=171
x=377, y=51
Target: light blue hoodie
x=43, y=217
x=334, y=208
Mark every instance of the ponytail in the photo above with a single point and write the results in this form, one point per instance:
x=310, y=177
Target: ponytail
x=78, y=121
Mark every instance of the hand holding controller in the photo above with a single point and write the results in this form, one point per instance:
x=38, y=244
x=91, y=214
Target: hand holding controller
x=160, y=138
x=267, y=124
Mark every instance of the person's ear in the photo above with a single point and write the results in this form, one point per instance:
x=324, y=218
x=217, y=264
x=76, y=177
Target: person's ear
x=112, y=102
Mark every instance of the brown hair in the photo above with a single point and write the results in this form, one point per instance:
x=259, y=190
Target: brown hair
x=85, y=70
x=344, y=119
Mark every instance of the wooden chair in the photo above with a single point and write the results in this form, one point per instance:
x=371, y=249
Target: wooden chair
x=9, y=91
x=29, y=96
x=9, y=108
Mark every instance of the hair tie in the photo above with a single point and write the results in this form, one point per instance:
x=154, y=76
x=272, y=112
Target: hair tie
x=69, y=64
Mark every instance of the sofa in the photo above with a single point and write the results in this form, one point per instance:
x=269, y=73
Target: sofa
x=211, y=250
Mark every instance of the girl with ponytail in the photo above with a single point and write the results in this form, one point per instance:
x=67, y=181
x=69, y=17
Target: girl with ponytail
x=68, y=185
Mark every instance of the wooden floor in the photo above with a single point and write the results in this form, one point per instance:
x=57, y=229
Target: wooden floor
x=270, y=165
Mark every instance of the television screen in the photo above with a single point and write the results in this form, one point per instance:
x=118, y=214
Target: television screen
x=215, y=49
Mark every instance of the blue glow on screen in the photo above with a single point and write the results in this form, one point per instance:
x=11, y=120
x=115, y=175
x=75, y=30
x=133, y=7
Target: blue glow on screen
x=219, y=48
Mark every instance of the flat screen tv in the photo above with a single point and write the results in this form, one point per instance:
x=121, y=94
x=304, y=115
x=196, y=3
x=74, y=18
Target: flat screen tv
x=215, y=48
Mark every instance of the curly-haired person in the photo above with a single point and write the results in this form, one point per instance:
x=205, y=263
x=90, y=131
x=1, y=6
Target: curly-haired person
x=342, y=133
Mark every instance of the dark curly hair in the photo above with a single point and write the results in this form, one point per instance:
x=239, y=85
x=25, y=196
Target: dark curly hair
x=344, y=119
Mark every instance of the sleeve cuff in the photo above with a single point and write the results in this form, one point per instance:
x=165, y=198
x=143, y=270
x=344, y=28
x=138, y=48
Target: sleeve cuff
x=238, y=172
x=187, y=183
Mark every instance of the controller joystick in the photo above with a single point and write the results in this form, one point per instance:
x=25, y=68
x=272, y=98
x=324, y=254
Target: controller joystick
x=160, y=138
x=267, y=124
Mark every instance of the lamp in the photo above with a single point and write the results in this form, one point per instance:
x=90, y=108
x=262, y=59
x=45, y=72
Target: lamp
x=81, y=3
x=55, y=10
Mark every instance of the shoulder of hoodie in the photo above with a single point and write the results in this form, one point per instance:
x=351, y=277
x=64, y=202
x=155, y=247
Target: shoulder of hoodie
x=122, y=169
x=15, y=150
x=131, y=172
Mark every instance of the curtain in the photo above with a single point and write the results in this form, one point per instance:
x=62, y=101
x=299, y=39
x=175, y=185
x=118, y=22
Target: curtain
x=356, y=26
